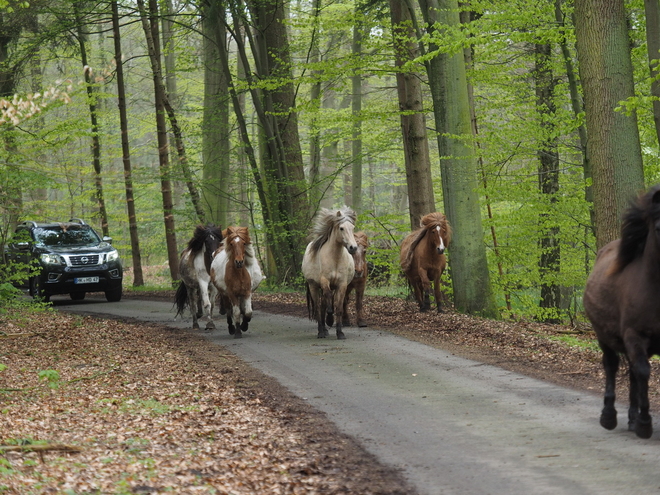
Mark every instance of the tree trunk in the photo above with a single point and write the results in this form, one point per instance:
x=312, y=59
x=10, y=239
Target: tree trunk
x=613, y=146
x=413, y=121
x=652, y=10
x=215, y=126
x=283, y=163
x=548, y=155
x=356, y=111
x=138, y=278
x=96, y=143
x=458, y=164
x=150, y=26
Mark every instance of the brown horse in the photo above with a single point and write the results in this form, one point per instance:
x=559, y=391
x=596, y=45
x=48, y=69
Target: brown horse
x=621, y=300
x=359, y=282
x=328, y=267
x=423, y=260
x=236, y=274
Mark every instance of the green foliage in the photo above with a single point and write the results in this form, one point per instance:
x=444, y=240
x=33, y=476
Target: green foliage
x=52, y=377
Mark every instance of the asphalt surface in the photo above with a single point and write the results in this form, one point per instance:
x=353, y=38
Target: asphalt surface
x=454, y=426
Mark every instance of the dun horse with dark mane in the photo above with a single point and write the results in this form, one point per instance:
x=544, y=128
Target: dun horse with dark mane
x=423, y=260
x=359, y=282
x=328, y=267
x=195, y=289
x=622, y=300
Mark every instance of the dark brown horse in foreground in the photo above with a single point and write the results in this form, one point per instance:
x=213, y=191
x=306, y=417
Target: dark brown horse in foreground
x=423, y=260
x=622, y=300
x=359, y=282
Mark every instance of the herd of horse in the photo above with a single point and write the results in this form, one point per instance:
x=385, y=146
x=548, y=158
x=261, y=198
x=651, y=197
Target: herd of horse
x=221, y=266
x=621, y=297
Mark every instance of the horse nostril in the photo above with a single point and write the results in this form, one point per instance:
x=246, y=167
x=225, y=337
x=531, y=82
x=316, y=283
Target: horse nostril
x=441, y=250
x=352, y=249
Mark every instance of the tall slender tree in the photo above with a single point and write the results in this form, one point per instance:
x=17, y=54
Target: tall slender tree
x=138, y=277
x=413, y=120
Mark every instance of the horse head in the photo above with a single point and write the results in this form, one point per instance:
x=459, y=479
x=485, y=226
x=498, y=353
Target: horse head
x=236, y=240
x=344, y=231
x=438, y=230
x=359, y=257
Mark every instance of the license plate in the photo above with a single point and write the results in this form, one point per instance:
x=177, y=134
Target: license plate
x=86, y=280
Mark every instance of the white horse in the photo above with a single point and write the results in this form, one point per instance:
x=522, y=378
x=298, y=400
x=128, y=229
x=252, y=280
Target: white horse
x=196, y=289
x=328, y=267
x=236, y=273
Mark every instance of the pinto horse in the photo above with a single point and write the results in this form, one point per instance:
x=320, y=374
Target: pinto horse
x=328, y=267
x=359, y=282
x=621, y=300
x=423, y=260
x=236, y=273
x=195, y=289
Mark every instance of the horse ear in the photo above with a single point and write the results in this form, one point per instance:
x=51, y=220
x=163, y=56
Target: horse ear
x=655, y=199
x=338, y=213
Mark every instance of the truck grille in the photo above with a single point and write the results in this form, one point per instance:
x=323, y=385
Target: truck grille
x=84, y=259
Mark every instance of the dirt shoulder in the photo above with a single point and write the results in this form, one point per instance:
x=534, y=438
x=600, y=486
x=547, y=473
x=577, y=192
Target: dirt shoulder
x=149, y=409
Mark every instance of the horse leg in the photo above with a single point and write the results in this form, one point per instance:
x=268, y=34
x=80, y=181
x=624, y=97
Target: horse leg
x=424, y=291
x=437, y=293
x=640, y=368
x=206, y=303
x=633, y=408
x=611, y=366
x=339, y=295
x=346, y=320
x=327, y=295
x=319, y=304
x=359, y=298
x=246, y=310
x=236, y=316
x=193, y=302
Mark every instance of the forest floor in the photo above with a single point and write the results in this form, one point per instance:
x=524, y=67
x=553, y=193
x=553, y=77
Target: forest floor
x=148, y=409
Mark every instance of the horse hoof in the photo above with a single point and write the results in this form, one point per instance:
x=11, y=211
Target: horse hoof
x=341, y=336
x=345, y=323
x=608, y=420
x=196, y=325
x=643, y=429
x=232, y=330
x=362, y=323
x=321, y=335
x=210, y=326
x=238, y=335
x=244, y=325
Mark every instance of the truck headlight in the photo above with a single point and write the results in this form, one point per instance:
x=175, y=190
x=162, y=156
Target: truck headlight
x=52, y=259
x=112, y=256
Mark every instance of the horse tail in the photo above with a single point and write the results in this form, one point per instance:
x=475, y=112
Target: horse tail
x=417, y=236
x=181, y=298
x=311, y=309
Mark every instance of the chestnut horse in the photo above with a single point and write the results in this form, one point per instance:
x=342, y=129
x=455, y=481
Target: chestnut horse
x=328, y=267
x=195, y=289
x=236, y=273
x=621, y=300
x=359, y=282
x=423, y=260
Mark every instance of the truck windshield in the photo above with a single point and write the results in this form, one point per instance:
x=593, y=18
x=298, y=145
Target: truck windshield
x=73, y=235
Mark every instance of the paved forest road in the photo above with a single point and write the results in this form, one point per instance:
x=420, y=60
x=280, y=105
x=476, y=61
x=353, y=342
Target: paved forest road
x=454, y=426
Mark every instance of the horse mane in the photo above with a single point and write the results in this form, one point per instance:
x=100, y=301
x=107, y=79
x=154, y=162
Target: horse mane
x=427, y=222
x=196, y=243
x=362, y=239
x=635, y=228
x=242, y=233
x=325, y=221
